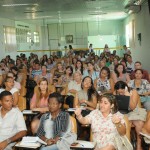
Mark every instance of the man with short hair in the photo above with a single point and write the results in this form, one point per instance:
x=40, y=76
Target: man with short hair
x=138, y=65
x=126, y=50
x=130, y=64
x=12, y=124
x=37, y=71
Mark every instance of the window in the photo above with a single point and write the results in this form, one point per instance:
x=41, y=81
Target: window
x=36, y=37
x=28, y=37
x=10, y=38
x=130, y=33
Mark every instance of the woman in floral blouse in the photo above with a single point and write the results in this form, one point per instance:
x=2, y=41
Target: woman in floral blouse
x=142, y=87
x=106, y=123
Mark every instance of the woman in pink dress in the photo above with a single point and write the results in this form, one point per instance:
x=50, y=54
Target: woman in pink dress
x=39, y=102
x=106, y=122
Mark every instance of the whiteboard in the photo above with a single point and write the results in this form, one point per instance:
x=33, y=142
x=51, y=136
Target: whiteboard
x=99, y=41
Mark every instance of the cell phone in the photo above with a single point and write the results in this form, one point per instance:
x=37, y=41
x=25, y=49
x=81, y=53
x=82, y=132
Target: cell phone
x=126, y=88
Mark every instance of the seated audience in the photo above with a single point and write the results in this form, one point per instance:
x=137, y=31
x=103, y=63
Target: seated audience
x=87, y=96
x=106, y=122
x=91, y=72
x=142, y=86
x=79, y=66
x=36, y=70
x=49, y=64
x=137, y=115
x=44, y=74
x=138, y=65
x=120, y=74
x=130, y=64
x=104, y=84
x=12, y=124
x=73, y=87
x=16, y=84
x=67, y=77
x=126, y=50
x=39, y=101
x=9, y=86
x=56, y=125
x=59, y=70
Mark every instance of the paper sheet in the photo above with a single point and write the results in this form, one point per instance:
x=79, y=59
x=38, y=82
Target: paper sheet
x=32, y=139
x=147, y=136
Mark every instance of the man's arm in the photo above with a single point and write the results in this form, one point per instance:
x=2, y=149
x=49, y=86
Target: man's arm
x=17, y=136
x=14, y=138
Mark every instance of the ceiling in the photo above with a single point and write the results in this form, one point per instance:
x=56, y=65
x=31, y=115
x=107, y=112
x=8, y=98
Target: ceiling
x=63, y=10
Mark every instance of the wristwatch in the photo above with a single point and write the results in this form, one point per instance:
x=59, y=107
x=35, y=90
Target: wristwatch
x=8, y=140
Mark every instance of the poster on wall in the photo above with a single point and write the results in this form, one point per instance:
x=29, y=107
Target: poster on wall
x=69, y=38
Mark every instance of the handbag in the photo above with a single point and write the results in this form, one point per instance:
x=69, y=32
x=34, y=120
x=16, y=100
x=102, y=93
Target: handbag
x=122, y=143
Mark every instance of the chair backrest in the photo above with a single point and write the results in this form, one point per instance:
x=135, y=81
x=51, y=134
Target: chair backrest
x=73, y=124
x=22, y=103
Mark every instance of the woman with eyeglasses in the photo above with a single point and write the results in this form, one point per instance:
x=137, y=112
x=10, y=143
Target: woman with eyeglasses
x=106, y=123
x=142, y=86
x=136, y=115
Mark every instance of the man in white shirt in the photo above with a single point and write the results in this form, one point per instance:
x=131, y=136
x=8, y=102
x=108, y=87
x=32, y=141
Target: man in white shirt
x=130, y=64
x=126, y=50
x=12, y=124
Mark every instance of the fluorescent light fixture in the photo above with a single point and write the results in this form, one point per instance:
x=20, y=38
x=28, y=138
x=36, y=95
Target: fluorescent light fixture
x=13, y=5
x=42, y=17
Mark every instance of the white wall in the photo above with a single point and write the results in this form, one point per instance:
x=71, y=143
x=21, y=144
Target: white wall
x=5, y=22
x=81, y=31
x=142, y=25
x=42, y=45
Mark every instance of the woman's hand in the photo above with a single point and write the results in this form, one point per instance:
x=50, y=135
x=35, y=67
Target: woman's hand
x=116, y=119
x=82, y=101
x=78, y=112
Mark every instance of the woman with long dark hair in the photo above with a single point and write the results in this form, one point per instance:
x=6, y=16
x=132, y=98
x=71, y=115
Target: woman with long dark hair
x=91, y=71
x=120, y=74
x=136, y=115
x=87, y=97
x=79, y=66
x=106, y=123
x=104, y=84
x=67, y=77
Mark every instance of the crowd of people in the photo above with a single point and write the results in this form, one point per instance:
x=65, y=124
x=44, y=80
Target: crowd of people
x=82, y=80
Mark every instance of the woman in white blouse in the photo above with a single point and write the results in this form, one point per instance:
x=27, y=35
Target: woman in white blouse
x=106, y=123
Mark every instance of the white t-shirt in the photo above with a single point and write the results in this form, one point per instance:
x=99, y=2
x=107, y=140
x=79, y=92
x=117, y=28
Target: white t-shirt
x=12, y=91
x=12, y=123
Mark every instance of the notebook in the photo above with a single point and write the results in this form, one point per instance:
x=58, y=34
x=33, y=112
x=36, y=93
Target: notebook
x=123, y=103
